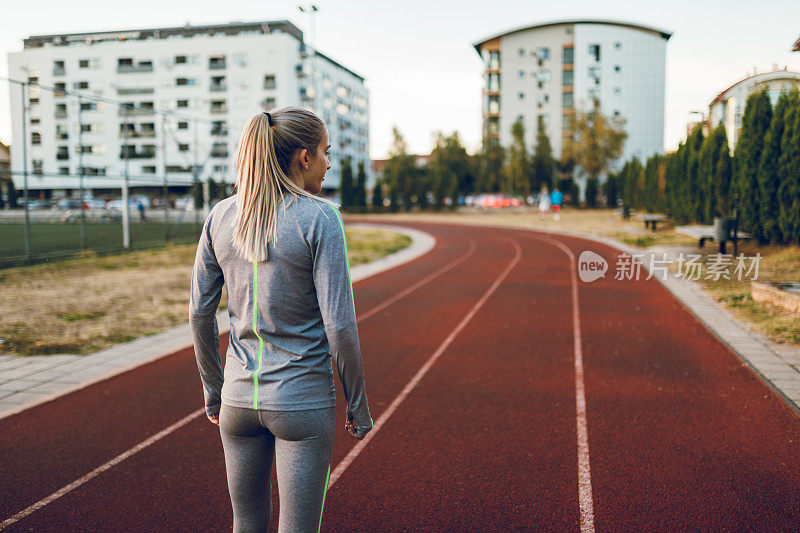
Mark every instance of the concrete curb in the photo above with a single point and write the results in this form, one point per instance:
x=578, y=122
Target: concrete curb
x=29, y=381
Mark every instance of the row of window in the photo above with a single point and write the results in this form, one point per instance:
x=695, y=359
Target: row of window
x=127, y=64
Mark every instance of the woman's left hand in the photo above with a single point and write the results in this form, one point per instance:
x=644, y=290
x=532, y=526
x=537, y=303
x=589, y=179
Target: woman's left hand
x=214, y=419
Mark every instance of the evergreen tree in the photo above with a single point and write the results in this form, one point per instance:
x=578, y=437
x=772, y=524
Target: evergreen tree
x=611, y=190
x=377, y=197
x=360, y=193
x=197, y=193
x=591, y=193
x=722, y=180
x=650, y=193
x=489, y=167
x=768, y=175
x=544, y=165
x=788, y=172
x=346, y=187
x=518, y=166
x=691, y=189
x=706, y=207
x=746, y=159
x=401, y=173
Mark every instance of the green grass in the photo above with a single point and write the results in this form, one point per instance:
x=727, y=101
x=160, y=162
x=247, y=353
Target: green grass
x=58, y=240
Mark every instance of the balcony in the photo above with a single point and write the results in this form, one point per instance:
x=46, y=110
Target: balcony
x=60, y=114
x=218, y=87
x=141, y=67
x=135, y=90
x=59, y=71
x=219, y=108
x=62, y=156
x=219, y=132
x=219, y=153
x=133, y=134
x=216, y=64
x=131, y=153
x=134, y=111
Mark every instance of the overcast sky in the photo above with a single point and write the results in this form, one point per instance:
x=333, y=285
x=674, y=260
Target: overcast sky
x=417, y=57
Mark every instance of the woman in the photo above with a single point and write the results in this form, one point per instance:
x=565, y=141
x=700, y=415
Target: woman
x=281, y=252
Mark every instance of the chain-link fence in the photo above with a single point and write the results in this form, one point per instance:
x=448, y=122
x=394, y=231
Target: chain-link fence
x=88, y=172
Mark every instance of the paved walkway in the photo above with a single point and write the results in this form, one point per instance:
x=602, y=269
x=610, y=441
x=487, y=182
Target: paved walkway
x=29, y=381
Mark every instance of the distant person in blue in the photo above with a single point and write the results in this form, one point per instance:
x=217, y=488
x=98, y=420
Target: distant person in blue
x=556, y=198
x=140, y=207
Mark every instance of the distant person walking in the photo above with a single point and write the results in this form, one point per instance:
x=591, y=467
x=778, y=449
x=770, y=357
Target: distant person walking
x=544, y=203
x=140, y=207
x=556, y=197
x=281, y=252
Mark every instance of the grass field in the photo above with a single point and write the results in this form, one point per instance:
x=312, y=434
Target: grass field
x=58, y=240
x=91, y=302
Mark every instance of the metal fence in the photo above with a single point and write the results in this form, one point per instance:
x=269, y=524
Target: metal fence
x=89, y=172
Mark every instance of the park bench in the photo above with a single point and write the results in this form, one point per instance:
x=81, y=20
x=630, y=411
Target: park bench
x=706, y=233
x=652, y=220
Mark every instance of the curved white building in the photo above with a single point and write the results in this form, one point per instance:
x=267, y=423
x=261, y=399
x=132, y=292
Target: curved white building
x=552, y=69
x=728, y=106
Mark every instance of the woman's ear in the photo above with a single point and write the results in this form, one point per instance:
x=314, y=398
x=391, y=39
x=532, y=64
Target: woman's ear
x=304, y=161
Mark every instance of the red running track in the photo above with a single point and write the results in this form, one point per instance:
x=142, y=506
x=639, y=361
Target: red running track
x=681, y=434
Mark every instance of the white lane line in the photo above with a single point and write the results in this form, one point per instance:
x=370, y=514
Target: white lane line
x=182, y=422
x=356, y=450
x=380, y=307
x=100, y=469
x=585, y=502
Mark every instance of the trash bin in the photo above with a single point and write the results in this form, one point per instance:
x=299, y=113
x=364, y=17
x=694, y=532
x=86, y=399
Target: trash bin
x=722, y=232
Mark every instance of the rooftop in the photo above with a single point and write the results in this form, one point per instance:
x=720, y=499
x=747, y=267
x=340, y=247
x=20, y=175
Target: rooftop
x=765, y=76
x=796, y=47
x=662, y=33
x=232, y=28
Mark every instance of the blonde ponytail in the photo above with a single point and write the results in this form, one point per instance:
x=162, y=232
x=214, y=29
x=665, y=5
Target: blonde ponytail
x=263, y=159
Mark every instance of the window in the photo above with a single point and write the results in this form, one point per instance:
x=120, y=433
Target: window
x=494, y=60
x=617, y=68
x=38, y=167
x=543, y=76
x=62, y=153
x=183, y=103
x=617, y=114
x=36, y=137
x=61, y=111
x=567, y=100
x=216, y=62
x=543, y=53
x=125, y=62
x=543, y=99
x=81, y=85
x=569, y=55
x=183, y=125
x=565, y=122
x=185, y=82
x=88, y=106
x=148, y=170
x=33, y=101
x=594, y=50
x=35, y=120
x=269, y=81
x=183, y=147
x=83, y=63
x=63, y=170
x=617, y=45
x=87, y=128
x=568, y=78
x=494, y=81
x=594, y=75
x=62, y=132
x=180, y=60
x=240, y=59
x=268, y=103
x=521, y=52
x=522, y=74
x=521, y=96
x=494, y=103
x=617, y=91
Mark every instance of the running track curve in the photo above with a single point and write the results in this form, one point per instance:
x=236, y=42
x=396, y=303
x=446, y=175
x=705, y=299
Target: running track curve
x=474, y=380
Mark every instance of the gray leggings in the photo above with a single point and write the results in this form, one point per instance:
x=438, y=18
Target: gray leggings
x=302, y=442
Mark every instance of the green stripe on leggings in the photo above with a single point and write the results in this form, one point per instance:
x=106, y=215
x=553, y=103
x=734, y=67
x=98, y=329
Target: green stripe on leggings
x=323, y=498
x=260, y=342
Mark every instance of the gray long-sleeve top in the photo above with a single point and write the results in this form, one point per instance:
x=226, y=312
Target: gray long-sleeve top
x=289, y=315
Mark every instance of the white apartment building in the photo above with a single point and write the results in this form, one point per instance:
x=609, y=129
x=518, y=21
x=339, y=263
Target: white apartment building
x=549, y=70
x=728, y=106
x=186, y=93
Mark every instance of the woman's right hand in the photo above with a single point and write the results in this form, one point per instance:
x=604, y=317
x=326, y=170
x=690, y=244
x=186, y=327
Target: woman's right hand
x=356, y=431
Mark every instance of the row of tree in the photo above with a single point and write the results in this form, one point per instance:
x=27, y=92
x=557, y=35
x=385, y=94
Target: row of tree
x=450, y=172
x=701, y=180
